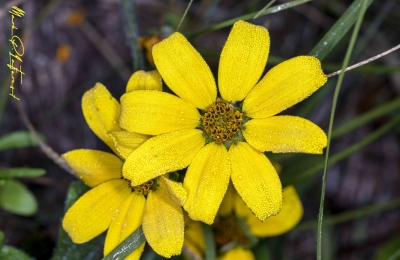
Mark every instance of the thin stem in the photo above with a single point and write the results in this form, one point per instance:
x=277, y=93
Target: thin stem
x=335, y=98
x=184, y=15
x=365, y=61
x=265, y=8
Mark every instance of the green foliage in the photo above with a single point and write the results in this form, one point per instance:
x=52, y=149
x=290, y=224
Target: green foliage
x=390, y=250
x=11, y=253
x=21, y=172
x=210, y=243
x=18, y=139
x=16, y=198
x=1, y=239
x=66, y=249
x=132, y=242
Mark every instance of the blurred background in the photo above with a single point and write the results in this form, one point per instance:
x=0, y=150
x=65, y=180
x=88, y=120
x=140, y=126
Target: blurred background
x=71, y=45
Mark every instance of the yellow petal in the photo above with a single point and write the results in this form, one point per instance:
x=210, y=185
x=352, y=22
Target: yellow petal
x=283, y=86
x=227, y=203
x=94, y=167
x=175, y=190
x=256, y=180
x=287, y=219
x=142, y=80
x=155, y=112
x=194, y=236
x=284, y=134
x=127, y=219
x=92, y=213
x=163, y=223
x=242, y=61
x=101, y=112
x=161, y=154
x=241, y=209
x=185, y=71
x=238, y=253
x=125, y=141
x=206, y=182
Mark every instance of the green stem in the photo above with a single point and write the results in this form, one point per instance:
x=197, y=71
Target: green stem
x=184, y=15
x=210, y=243
x=335, y=98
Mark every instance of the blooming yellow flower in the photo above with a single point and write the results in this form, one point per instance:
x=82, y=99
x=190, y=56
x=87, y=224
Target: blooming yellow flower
x=222, y=138
x=113, y=203
x=233, y=238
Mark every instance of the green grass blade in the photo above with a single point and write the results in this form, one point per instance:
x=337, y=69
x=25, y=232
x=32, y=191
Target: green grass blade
x=132, y=242
x=265, y=8
x=367, y=117
x=21, y=172
x=210, y=243
x=350, y=215
x=338, y=30
x=247, y=17
x=335, y=98
x=184, y=15
x=18, y=139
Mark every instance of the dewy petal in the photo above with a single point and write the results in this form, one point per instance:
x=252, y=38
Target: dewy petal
x=238, y=253
x=175, y=190
x=94, y=167
x=284, y=134
x=256, y=180
x=92, y=213
x=142, y=80
x=287, y=219
x=163, y=223
x=227, y=203
x=155, y=112
x=206, y=182
x=101, y=112
x=127, y=219
x=126, y=142
x=161, y=154
x=185, y=71
x=242, y=61
x=283, y=86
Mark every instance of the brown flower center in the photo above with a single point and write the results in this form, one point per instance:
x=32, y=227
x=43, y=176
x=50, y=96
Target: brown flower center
x=145, y=188
x=221, y=121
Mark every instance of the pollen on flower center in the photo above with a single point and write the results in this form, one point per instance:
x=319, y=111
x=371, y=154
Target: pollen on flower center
x=146, y=187
x=221, y=121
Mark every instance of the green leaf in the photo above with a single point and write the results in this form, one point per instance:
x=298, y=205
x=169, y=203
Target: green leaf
x=132, y=242
x=66, y=249
x=211, y=250
x=389, y=249
x=11, y=253
x=1, y=239
x=17, y=139
x=338, y=30
x=21, y=172
x=17, y=199
x=247, y=17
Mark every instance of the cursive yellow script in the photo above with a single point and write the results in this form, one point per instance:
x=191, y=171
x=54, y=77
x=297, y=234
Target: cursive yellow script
x=15, y=55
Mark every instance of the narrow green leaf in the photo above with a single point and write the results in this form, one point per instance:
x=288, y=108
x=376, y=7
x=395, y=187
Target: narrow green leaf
x=66, y=249
x=367, y=117
x=1, y=239
x=247, y=17
x=211, y=250
x=350, y=215
x=332, y=117
x=389, y=250
x=338, y=30
x=184, y=15
x=21, y=172
x=132, y=242
x=12, y=253
x=17, y=199
x=17, y=139
x=341, y=155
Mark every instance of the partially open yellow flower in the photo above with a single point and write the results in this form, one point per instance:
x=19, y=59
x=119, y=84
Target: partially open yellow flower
x=113, y=203
x=222, y=138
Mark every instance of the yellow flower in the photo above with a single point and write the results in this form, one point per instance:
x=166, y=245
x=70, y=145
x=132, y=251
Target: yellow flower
x=222, y=138
x=113, y=203
x=233, y=238
x=147, y=44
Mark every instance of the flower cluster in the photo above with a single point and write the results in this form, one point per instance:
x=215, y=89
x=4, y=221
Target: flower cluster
x=218, y=135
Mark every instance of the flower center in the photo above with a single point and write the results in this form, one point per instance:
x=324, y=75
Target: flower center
x=226, y=230
x=145, y=188
x=221, y=121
